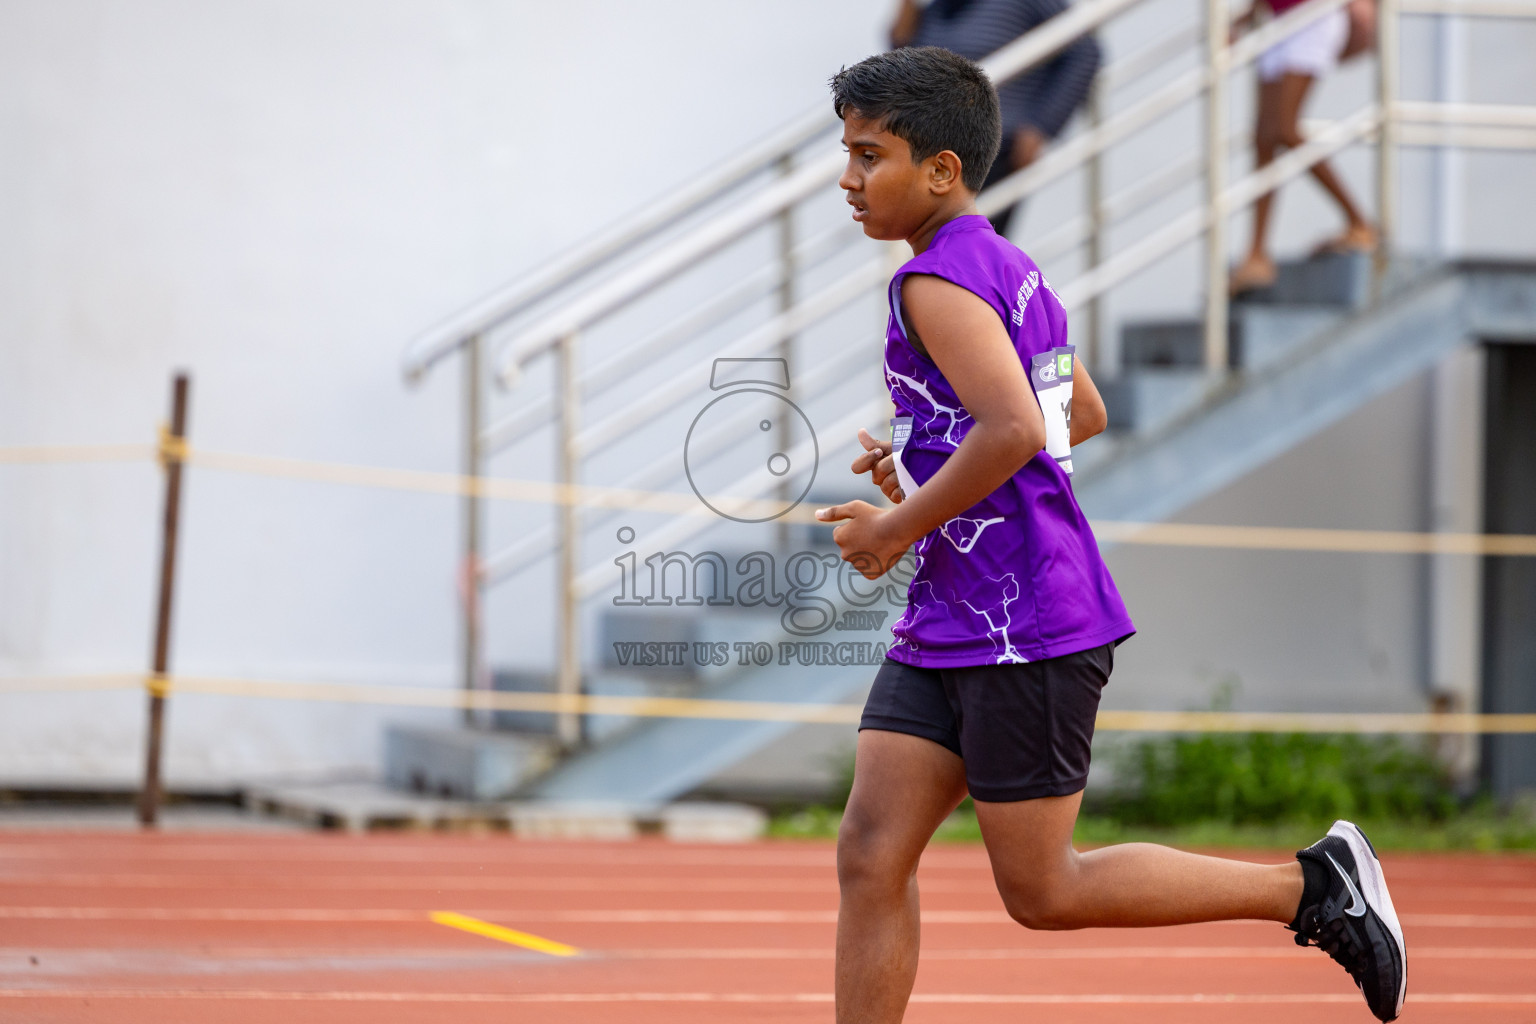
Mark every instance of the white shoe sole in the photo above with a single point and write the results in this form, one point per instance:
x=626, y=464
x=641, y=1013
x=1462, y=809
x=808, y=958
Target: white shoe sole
x=1373, y=886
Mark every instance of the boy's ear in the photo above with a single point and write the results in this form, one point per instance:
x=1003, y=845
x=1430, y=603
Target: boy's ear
x=943, y=172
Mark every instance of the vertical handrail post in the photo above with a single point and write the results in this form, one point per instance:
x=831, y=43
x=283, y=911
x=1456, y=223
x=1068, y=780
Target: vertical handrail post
x=1217, y=61
x=568, y=723
x=1386, y=146
x=787, y=271
x=471, y=638
x=1089, y=350
x=172, y=453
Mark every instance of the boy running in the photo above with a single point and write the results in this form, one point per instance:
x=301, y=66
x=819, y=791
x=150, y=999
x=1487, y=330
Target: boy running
x=992, y=684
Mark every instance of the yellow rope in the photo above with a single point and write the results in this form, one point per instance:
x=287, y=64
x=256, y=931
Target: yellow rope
x=65, y=453
x=1199, y=535
x=171, y=448
x=760, y=711
x=1281, y=538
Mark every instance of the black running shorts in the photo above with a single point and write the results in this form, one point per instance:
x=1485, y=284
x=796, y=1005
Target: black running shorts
x=1022, y=730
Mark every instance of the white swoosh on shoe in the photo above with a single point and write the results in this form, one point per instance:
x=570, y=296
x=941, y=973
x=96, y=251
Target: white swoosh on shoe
x=1356, y=906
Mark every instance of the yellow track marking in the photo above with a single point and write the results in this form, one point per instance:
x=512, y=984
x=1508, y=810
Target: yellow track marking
x=510, y=935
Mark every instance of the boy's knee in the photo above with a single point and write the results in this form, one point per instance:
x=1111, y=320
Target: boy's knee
x=1039, y=908
x=868, y=856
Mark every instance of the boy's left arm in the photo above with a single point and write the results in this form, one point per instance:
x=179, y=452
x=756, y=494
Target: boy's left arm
x=1089, y=417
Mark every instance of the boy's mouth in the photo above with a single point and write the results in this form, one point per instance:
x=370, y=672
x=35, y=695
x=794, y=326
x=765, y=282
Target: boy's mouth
x=860, y=211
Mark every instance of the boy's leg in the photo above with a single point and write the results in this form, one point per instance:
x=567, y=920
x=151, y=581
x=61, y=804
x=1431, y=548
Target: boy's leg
x=1046, y=884
x=903, y=787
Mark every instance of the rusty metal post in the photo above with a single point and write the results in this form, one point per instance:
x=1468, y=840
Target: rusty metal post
x=172, y=452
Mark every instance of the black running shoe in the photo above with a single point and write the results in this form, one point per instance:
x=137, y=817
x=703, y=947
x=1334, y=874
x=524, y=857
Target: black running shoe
x=1346, y=910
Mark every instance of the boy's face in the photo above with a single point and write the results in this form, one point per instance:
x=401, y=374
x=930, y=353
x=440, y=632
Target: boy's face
x=892, y=197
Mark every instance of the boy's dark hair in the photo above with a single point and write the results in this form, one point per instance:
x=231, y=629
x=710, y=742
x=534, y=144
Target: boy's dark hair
x=932, y=99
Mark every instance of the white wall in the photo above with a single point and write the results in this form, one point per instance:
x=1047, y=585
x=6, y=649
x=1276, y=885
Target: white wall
x=276, y=195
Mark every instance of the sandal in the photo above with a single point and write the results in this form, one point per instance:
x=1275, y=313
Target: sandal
x=1250, y=276
x=1363, y=239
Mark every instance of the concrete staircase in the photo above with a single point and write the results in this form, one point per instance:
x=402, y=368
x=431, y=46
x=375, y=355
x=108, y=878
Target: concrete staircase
x=1163, y=375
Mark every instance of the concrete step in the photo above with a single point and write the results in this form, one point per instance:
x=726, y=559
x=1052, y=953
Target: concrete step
x=463, y=764
x=358, y=806
x=1338, y=279
x=1259, y=335
x=1256, y=418
x=361, y=805
x=1262, y=336
x=1145, y=399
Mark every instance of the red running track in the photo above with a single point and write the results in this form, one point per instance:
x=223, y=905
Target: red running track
x=241, y=928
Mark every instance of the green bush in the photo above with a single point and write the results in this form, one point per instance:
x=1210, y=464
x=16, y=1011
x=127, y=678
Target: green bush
x=1266, y=778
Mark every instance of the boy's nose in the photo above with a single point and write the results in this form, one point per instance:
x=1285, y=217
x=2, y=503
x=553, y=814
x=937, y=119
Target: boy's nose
x=848, y=182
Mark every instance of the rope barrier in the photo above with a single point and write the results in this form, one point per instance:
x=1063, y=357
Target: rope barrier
x=65, y=453
x=1251, y=538
x=759, y=711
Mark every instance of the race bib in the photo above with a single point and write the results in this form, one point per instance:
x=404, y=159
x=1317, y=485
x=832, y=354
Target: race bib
x=901, y=432
x=1051, y=375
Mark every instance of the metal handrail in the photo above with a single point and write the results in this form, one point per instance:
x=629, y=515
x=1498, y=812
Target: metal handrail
x=495, y=309
x=1469, y=114
x=1470, y=8
x=1192, y=223
x=1006, y=63
x=750, y=485
x=755, y=342
x=534, y=546
x=832, y=298
x=738, y=296
x=1011, y=60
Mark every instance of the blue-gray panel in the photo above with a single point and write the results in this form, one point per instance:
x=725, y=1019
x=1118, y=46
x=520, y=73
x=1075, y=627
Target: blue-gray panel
x=1257, y=417
x=665, y=758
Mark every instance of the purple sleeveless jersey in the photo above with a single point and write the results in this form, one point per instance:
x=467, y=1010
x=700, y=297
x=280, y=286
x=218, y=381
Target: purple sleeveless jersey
x=1018, y=576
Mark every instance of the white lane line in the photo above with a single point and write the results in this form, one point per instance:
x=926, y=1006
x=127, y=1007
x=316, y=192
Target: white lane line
x=235, y=955
x=534, y=883
x=949, y=998
x=1280, y=951
x=622, y=916
x=825, y=886
x=204, y=914
x=507, y=853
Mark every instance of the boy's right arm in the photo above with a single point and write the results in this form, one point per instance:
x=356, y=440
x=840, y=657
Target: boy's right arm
x=968, y=342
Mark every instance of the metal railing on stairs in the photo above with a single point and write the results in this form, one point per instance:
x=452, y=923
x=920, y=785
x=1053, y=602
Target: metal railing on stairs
x=548, y=311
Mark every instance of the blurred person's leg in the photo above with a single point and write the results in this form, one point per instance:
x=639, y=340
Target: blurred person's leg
x=1358, y=234
x=904, y=786
x=1019, y=150
x=1257, y=269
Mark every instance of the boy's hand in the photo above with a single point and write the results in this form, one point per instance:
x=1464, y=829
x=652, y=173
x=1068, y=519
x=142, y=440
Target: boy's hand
x=880, y=464
x=864, y=539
